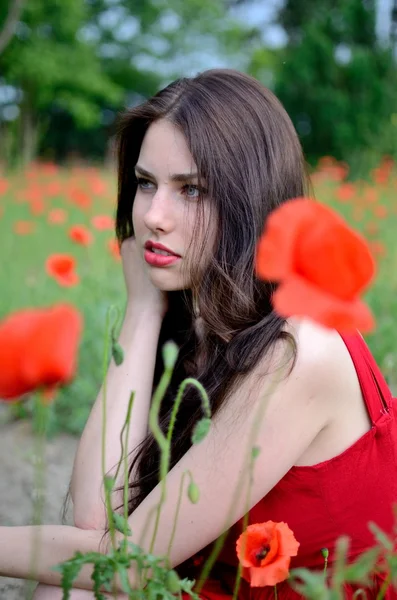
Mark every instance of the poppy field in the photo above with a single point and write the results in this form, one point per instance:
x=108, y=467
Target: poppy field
x=58, y=245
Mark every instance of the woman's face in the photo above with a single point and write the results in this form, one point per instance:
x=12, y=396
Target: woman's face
x=166, y=204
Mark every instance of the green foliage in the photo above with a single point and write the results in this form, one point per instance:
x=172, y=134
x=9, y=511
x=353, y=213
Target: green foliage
x=76, y=64
x=121, y=524
x=163, y=582
x=338, y=84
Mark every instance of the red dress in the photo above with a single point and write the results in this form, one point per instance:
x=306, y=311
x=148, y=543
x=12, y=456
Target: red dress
x=333, y=498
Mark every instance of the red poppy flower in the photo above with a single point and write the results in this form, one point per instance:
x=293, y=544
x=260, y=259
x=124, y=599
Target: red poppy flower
x=81, y=235
x=80, y=198
x=53, y=188
x=322, y=265
x=114, y=249
x=25, y=364
x=380, y=211
x=3, y=186
x=102, y=222
x=57, y=216
x=37, y=206
x=98, y=186
x=371, y=195
x=61, y=268
x=24, y=227
x=264, y=551
x=346, y=192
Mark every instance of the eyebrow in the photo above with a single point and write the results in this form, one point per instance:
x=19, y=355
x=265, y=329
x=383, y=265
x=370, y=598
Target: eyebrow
x=178, y=177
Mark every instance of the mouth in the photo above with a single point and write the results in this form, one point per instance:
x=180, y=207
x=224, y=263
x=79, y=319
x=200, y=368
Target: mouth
x=157, y=259
x=160, y=250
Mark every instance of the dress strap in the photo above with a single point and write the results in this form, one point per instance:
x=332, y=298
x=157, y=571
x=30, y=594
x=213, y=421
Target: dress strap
x=376, y=392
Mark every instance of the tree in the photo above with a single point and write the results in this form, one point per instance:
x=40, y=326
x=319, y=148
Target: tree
x=337, y=82
x=77, y=63
x=10, y=24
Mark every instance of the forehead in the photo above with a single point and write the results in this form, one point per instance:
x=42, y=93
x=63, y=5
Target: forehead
x=164, y=149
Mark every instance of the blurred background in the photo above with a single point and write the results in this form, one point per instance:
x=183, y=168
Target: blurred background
x=68, y=67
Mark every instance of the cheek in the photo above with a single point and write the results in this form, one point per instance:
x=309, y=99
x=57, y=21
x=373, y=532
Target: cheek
x=137, y=214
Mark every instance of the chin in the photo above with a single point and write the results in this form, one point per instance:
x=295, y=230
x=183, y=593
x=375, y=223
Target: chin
x=166, y=284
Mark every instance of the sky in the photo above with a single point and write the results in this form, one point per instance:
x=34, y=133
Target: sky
x=265, y=10
x=260, y=13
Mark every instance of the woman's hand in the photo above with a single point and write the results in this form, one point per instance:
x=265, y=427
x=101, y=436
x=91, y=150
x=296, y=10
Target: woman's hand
x=142, y=294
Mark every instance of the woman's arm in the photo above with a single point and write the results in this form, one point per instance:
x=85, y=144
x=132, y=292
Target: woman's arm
x=139, y=339
x=300, y=407
x=57, y=543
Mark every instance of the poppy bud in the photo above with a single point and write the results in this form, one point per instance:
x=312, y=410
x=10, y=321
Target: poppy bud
x=170, y=354
x=117, y=352
x=201, y=429
x=193, y=492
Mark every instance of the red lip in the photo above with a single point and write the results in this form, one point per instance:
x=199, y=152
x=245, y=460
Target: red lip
x=149, y=244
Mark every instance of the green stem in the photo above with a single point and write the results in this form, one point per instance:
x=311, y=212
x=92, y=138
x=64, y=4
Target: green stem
x=105, y=368
x=40, y=426
x=245, y=523
x=125, y=453
x=325, y=567
x=178, y=505
x=263, y=403
x=205, y=403
x=359, y=593
x=384, y=587
x=165, y=442
x=132, y=396
x=275, y=592
x=162, y=443
x=341, y=550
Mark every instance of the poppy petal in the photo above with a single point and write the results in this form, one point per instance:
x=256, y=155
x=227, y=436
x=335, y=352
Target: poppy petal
x=274, y=573
x=309, y=239
x=288, y=545
x=297, y=297
x=276, y=248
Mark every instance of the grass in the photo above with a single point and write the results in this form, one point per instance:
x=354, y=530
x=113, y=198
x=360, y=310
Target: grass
x=84, y=193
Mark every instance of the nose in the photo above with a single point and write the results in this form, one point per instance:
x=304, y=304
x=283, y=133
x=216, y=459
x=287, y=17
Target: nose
x=160, y=214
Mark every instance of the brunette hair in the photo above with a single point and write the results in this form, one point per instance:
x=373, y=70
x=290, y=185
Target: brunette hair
x=246, y=149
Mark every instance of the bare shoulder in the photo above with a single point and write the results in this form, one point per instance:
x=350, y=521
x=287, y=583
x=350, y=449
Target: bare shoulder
x=312, y=354
x=313, y=362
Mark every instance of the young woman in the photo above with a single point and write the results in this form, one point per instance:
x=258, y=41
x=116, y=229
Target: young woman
x=201, y=166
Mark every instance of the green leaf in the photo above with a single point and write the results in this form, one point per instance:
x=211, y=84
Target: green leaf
x=125, y=583
x=362, y=567
x=381, y=536
x=193, y=492
x=312, y=585
x=173, y=582
x=200, y=430
x=121, y=524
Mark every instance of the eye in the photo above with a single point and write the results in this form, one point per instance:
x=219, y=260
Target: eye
x=192, y=191
x=144, y=184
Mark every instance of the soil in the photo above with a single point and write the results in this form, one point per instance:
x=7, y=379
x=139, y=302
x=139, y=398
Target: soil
x=17, y=452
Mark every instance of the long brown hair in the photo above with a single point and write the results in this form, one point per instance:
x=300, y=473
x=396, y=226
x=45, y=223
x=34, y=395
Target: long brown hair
x=246, y=149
